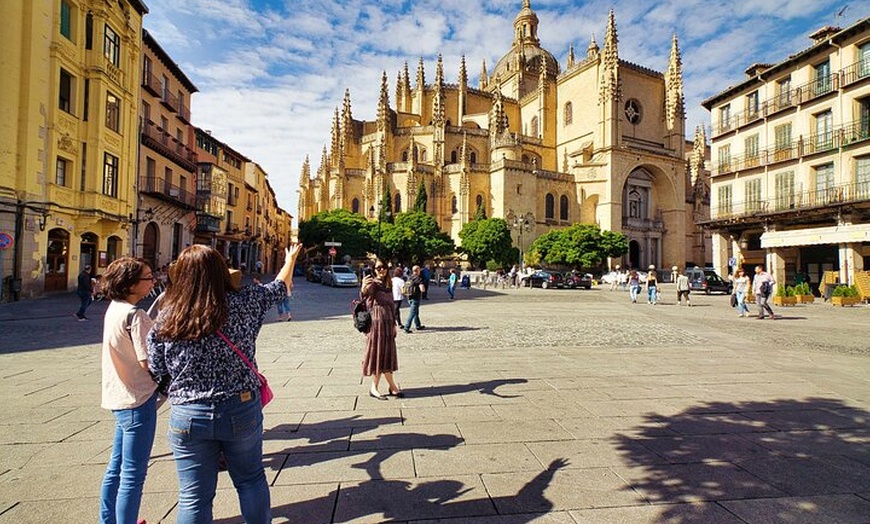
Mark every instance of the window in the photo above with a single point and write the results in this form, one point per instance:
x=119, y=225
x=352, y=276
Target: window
x=824, y=131
x=635, y=204
x=550, y=206
x=66, y=91
x=89, y=31
x=750, y=150
x=568, y=115
x=472, y=158
x=862, y=178
x=783, y=93
x=110, y=175
x=563, y=207
x=784, y=190
x=146, y=70
x=84, y=174
x=478, y=200
x=86, y=108
x=453, y=157
x=824, y=183
x=864, y=118
x=752, y=192
x=405, y=155
x=822, y=78
x=454, y=205
x=164, y=87
x=783, y=145
x=354, y=205
x=397, y=203
x=725, y=117
x=725, y=158
x=112, y=47
x=150, y=170
x=752, y=105
x=61, y=171
x=422, y=154
x=533, y=126
x=66, y=19
x=725, y=204
x=113, y=112
x=632, y=111
x=864, y=61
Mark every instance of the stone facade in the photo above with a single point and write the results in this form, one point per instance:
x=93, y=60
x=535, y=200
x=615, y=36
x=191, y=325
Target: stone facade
x=602, y=141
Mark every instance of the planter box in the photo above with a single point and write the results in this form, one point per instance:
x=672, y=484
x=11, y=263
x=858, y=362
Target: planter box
x=845, y=301
x=805, y=299
x=784, y=301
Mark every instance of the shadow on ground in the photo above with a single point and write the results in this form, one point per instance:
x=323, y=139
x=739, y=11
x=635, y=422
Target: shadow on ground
x=771, y=461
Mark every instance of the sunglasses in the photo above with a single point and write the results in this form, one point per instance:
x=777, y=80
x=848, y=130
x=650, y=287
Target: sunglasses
x=378, y=268
x=152, y=277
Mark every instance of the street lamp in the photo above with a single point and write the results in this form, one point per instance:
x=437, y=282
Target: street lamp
x=521, y=223
x=372, y=213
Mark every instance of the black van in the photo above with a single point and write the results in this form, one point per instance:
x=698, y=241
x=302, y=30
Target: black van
x=708, y=281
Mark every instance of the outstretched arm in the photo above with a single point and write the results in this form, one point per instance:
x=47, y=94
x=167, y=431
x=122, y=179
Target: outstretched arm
x=286, y=272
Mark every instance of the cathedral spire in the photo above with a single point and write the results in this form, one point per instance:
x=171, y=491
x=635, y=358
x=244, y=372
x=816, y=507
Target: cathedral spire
x=346, y=119
x=383, y=104
x=593, y=49
x=305, y=179
x=438, y=112
x=609, y=82
x=484, y=77
x=571, y=55
x=324, y=163
x=674, y=102
x=463, y=74
x=698, y=175
x=334, y=138
x=526, y=26
x=421, y=78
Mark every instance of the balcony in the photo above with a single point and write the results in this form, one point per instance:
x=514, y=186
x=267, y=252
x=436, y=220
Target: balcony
x=232, y=227
x=183, y=113
x=161, y=188
x=850, y=193
x=169, y=100
x=151, y=84
x=207, y=223
x=168, y=146
x=855, y=72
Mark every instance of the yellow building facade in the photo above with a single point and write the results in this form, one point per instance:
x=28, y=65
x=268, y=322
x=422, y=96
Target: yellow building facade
x=791, y=162
x=601, y=141
x=68, y=129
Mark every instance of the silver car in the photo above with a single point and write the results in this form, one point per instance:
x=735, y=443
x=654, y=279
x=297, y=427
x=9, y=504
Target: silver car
x=338, y=275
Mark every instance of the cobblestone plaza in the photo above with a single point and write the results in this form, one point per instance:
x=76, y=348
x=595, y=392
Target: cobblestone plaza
x=544, y=406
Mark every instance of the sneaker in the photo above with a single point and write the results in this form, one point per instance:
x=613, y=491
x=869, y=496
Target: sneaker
x=421, y=328
x=408, y=331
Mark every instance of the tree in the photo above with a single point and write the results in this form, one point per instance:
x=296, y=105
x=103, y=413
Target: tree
x=479, y=213
x=386, y=207
x=422, y=199
x=487, y=240
x=580, y=246
x=414, y=237
x=340, y=225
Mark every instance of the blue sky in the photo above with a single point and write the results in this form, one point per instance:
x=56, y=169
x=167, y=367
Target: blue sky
x=271, y=72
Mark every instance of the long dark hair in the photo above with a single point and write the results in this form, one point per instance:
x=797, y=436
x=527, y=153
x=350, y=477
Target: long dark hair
x=196, y=304
x=120, y=277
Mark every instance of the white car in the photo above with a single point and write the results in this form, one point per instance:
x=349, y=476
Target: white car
x=337, y=275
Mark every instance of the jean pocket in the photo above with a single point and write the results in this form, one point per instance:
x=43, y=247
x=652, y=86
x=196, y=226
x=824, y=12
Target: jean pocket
x=179, y=428
x=247, y=423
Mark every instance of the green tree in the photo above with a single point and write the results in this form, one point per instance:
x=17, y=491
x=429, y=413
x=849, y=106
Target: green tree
x=579, y=246
x=479, y=213
x=487, y=240
x=422, y=199
x=387, y=207
x=339, y=225
x=414, y=237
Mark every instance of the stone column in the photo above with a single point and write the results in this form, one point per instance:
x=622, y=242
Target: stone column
x=721, y=245
x=775, y=265
x=851, y=261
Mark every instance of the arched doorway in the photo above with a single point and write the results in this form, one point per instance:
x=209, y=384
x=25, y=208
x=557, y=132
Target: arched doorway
x=113, y=248
x=150, y=241
x=88, y=252
x=57, y=260
x=634, y=254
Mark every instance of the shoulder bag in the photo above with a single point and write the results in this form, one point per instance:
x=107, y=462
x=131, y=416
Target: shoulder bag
x=266, y=394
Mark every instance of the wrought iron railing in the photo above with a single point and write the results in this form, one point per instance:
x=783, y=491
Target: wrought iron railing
x=161, y=186
x=817, y=198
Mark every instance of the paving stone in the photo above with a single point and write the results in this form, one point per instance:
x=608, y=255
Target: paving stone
x=554, y=517
x=808, y=476
x=512, y=431
x=474, y=459
x=694, y=513
x=830, y=509
x=405, y=437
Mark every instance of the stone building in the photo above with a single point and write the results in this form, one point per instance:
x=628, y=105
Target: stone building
x=600, y=141
x=791, y=162
x=68, y=138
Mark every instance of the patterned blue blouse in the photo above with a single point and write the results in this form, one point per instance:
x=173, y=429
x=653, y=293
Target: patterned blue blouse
x=207, y=370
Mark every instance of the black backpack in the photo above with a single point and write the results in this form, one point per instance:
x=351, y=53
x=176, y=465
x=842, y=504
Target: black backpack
x=362, y=317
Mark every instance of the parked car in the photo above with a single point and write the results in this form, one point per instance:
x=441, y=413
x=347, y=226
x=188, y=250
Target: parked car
x=313, y=274
x=337, y=275
x=543, y=279
x=576, y=279
x=708, y=281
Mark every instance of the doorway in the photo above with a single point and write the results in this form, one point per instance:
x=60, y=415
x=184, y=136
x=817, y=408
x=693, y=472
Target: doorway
x=150, y=241
x=634, y=254
x=57, y=260
x=88, y=256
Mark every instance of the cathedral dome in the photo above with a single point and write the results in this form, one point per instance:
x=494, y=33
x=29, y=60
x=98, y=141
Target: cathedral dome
x=526, y=53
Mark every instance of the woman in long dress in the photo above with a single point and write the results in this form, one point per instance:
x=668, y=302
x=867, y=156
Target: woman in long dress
x=380, y=357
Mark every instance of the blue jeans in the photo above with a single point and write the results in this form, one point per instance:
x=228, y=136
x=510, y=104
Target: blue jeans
x=652, y=294
x=121, y=492
x=742, y=306
x=86, y=300
x=198, y=433
x=413, y=314
x=634, y=291
x=284, y=306
x=451, y=290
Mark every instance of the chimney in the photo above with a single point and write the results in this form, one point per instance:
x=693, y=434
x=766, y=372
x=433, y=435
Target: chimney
x=756, y=69
x=824, y=33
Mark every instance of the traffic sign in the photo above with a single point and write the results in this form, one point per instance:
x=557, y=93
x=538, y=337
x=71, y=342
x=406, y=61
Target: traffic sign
x=335, y=244
x=6, y=241
x=332, y=252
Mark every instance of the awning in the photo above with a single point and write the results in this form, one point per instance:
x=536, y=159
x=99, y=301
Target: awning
x=848, y=234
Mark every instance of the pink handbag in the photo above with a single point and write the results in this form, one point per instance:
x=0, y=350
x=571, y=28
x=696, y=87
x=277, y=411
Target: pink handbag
x=266, y=394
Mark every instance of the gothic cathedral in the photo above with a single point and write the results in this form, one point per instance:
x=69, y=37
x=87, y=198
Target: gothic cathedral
x=602, y=141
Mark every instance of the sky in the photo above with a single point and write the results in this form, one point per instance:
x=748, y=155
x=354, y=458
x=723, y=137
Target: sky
x=270, y=73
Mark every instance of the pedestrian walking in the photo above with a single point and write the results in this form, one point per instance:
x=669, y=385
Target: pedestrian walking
x=427, y=276
x=127, y=389
x=762, y=288
x=205, y=324
x=398, y=283
x=380, y=356
x=414, y=300
x=451, y=283
x=652, y=292
x=85, y=292
x=683, y=290
x=633, y=286
x=741, y=286
x=614, y=278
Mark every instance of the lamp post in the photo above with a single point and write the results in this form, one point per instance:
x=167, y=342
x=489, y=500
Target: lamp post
x=521, y=223
x=372, y=213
